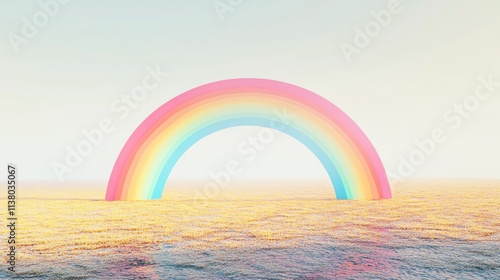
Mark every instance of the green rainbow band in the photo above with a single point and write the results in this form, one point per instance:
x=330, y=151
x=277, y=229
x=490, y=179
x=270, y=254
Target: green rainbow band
x=150, y=154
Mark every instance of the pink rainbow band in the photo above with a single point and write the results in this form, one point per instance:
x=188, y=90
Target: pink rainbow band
x=136, y=171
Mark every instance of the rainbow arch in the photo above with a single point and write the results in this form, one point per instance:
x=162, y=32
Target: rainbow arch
x=149, y=155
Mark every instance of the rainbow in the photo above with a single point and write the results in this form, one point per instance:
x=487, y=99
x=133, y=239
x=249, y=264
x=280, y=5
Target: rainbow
x=148, y=157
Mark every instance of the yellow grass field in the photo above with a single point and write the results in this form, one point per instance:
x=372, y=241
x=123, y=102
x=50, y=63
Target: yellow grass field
x=73, y=225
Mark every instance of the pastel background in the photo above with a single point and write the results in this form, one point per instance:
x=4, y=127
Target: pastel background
x=428, y=58
x=77, y=72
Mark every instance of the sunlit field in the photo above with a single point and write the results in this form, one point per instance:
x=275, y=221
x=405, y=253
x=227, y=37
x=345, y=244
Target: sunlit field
x=298, y=231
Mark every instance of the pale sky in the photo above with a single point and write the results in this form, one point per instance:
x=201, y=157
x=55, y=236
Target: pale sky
x=427, y=58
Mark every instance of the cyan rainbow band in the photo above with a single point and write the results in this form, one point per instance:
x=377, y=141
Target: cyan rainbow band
x=150, y=154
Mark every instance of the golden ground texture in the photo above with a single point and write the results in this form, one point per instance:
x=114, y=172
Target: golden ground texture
x=51, y=226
